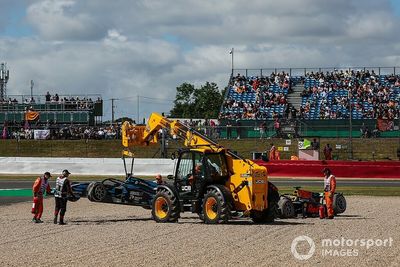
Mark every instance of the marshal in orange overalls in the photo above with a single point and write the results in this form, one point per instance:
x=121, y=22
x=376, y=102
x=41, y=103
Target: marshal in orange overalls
x=272, y=155
x=329, y=191
x=40, y=186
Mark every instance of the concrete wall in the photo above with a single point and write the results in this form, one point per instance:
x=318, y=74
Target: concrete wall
x=84, y=166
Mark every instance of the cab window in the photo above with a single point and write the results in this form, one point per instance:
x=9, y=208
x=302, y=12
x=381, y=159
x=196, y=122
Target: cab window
x=185, y=167
x=216, y=165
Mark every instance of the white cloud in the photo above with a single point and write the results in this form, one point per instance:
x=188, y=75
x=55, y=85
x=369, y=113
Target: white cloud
x=57, y=20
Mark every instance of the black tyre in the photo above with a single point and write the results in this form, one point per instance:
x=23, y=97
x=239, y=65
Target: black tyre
x=88, y=190
x=339, y=203
x=165, y=207
x=97, y=192
x=266, y=216
x=216, y=208
x=286, y=208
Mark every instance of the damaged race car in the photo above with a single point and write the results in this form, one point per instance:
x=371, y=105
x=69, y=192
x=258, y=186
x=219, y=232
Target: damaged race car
x=307, y=204
x=133, y=191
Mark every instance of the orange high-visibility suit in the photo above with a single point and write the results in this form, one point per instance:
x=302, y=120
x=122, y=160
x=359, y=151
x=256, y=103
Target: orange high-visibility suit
x=329, y=191
x=272, y=153
x=40, y=186
x=277, y=155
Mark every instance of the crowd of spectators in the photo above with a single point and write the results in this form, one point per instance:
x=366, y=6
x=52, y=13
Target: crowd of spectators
x=22, y=130
x=372, y=96
x=326, y=96
x=208, y=127
x=63, y=132
x=248, y=96
x=69, y=102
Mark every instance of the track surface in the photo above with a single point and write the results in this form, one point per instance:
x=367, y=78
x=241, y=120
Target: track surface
x=108, y=235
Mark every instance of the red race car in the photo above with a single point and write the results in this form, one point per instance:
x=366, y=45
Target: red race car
x=308, y=204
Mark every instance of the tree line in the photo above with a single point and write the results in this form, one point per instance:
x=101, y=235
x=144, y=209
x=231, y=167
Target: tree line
x=197, y=102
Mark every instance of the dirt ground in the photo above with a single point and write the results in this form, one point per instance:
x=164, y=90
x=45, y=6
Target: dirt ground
x=109, y=235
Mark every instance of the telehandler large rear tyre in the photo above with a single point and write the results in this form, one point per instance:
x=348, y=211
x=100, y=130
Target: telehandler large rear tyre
x=266, y=216
x=216, y=209
x=165, y=207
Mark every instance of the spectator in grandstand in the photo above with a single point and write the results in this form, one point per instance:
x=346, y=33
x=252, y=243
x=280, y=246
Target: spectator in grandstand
x=228, y=130
x=100, y=133
x=238, y=129
x=328, y=152
x=277, y=127
x=315, y=144
x=375, y=132
x=367, y=133
x=4, y=134
x=48, y=97
x=263, y=129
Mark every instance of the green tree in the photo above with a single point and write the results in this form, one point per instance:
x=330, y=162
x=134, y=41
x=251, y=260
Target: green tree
x=203, y=102
x=183, y=103
x=208, y=100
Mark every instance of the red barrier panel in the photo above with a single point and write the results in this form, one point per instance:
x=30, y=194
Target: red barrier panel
x=347, y=169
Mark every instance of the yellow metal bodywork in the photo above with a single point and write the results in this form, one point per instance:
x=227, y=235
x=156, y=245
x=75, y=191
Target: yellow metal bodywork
x=253, y=196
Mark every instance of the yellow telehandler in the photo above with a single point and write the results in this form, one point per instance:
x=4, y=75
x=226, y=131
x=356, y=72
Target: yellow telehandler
x=209, y=179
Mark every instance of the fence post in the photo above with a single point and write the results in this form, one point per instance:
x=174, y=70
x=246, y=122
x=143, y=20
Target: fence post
x=86, y=144
x=18, y=146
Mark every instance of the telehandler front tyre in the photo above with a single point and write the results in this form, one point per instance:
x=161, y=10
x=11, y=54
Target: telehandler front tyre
x=165, y=207
x=215, y=207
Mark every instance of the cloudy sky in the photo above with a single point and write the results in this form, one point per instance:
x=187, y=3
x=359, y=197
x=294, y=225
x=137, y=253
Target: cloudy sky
x=122, y=48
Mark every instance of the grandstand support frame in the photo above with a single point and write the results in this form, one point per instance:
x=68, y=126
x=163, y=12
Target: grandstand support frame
x=350, y=128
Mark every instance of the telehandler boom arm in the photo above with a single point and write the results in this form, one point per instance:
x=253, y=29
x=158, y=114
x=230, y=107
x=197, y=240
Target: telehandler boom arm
x=140, y=135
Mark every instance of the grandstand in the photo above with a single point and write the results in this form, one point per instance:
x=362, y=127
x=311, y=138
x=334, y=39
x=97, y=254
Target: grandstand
x=320, y=102
x=45, y=111
x=56, y=110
